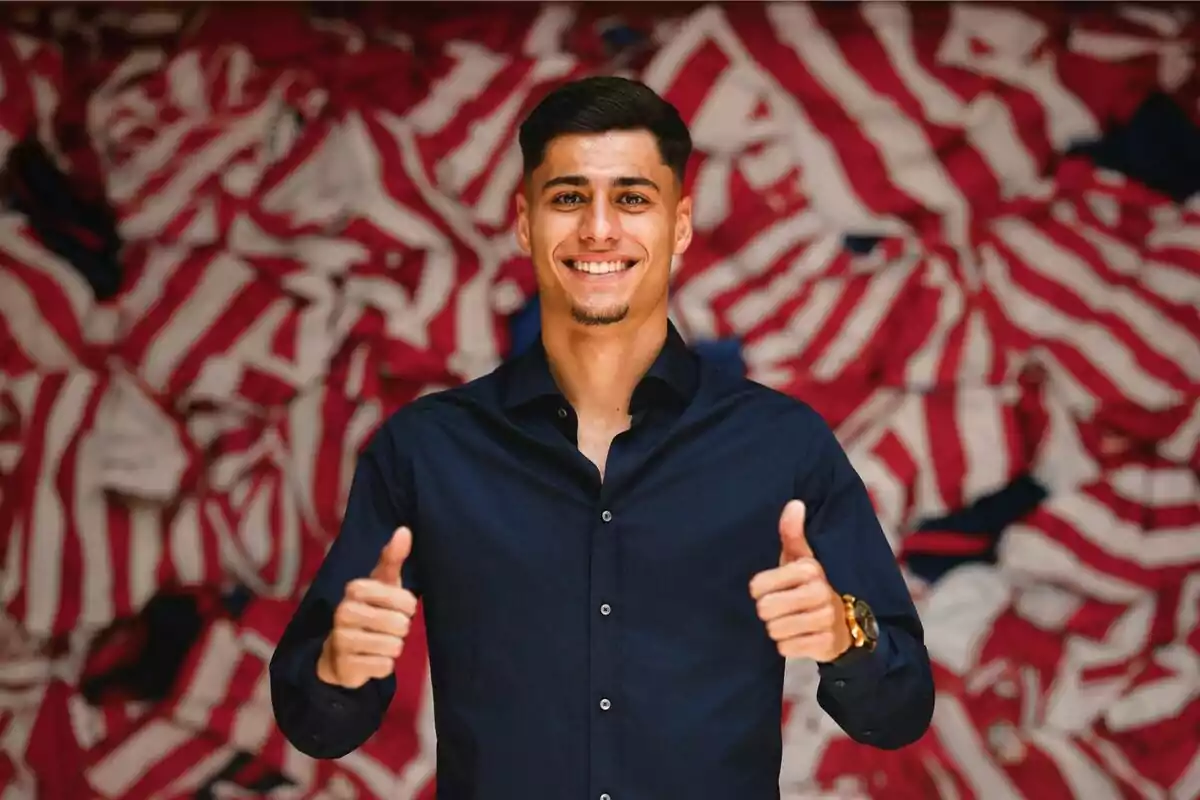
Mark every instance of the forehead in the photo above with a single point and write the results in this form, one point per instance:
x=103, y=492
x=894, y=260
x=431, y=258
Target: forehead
x=597, y=156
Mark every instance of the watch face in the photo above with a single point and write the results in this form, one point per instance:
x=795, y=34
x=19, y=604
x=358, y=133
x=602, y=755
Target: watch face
x=866, y=620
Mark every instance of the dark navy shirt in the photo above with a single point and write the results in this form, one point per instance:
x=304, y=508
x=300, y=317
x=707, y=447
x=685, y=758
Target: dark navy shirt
x=593, y=639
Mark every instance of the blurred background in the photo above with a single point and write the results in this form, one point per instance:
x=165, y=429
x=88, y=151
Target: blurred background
x=234, y=237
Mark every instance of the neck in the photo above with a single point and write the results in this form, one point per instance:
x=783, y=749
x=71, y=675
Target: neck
x=597, y=368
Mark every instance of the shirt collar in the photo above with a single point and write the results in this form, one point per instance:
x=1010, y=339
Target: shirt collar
x=675, y=368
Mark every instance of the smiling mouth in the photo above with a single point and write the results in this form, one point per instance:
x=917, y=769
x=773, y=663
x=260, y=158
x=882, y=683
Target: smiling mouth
x=599, y=267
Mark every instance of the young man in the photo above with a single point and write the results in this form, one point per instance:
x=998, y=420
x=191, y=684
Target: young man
x=616, y=544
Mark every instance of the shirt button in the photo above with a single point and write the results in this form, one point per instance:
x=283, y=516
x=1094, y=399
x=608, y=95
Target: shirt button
x=605, y=704
x=562, y=413
x=839, y=683
x=605, y=609
x=606, y=515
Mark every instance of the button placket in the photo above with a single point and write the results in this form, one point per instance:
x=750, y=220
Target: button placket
x=604, y=635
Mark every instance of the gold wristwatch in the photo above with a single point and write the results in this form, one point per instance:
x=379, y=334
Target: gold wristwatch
x=864, y=630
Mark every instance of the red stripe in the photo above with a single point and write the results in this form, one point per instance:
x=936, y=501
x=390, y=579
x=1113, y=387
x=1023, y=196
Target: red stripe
x=946, y=543
x=859, y=159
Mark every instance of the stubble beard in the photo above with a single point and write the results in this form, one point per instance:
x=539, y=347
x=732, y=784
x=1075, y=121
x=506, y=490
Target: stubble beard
x=604, y=316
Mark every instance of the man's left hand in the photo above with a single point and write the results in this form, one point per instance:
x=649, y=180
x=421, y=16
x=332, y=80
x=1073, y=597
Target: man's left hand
x=804, y=615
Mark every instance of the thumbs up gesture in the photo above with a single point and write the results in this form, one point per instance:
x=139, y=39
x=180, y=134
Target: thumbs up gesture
x=804, y=615
x=370, y=623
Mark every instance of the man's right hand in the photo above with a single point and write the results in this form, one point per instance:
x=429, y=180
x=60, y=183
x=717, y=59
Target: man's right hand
x=370, y=623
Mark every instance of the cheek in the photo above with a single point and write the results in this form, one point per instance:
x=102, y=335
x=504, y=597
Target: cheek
x=549, y=234
x=654, y=233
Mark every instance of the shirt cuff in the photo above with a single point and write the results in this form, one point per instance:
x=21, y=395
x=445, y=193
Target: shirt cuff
x=331, y=714
x=858, y=667
x=337, y=701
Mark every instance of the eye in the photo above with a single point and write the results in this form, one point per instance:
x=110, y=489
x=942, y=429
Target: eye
x=634, y=200
x=567, y=199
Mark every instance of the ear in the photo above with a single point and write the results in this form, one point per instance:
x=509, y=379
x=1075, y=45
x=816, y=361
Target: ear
x=683, y=225
x=523, y=222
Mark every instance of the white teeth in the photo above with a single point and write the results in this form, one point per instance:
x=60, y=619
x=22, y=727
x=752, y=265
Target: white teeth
x=598, y=267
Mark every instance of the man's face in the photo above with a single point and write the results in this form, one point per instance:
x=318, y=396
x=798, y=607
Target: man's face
x=601, y=218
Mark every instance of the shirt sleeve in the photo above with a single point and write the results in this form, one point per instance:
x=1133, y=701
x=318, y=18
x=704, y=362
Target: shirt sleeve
x=884, y=697
x=319, y=719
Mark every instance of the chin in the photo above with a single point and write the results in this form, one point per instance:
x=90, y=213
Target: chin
x=595, y=317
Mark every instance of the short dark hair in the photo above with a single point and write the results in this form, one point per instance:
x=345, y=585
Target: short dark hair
x=605, y=103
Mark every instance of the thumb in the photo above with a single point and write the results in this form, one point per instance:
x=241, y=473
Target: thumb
x=387, y=569
x=791, y=533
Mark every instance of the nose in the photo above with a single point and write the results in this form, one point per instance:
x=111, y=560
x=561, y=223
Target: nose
x=599, y=224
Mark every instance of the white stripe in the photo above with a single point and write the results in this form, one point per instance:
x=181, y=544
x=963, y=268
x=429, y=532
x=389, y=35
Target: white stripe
x=495, y=198
x=1163, y=547
x=160, y=265
x=254, y=720
x=1116, y=763
x=488, y=133
x=862, y=324
x=920, y=370
x=180, y=192
x=959, y=613
x=1159, y=487
x=910, y=424
x=546, y=32
x=221, y=280
x=476, y=349
x=15, y=235
x=1011, y=37
x=1079, y=772
x=1066, y=268
x=1161, y=21
x=1187, y=787
x=1172, y=282
x=979, y=419
x=837, y=201
x=694, y=300
x=146, y=539
x=30, y=329
x=987, y=123
x=208, y=686
x=1160, y=700
x=121, y=769
x=1029, y=554
x=186, y=544
x=807, y=321
x=475, y=68
x=1107, y=353
x=127, y=181
x=48, y=520
x=900, y=142
x=90, y=507
x=201, y=772
x=889, y=494
x=958, y=735
x=759, y=304
x=979, y=353
x=289, y=544
x=1181, y=445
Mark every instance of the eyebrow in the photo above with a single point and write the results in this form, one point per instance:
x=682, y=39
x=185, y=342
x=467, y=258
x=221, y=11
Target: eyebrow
x=579, y=180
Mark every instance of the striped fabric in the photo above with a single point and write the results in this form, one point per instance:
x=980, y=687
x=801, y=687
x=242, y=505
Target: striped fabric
x=966, y=233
